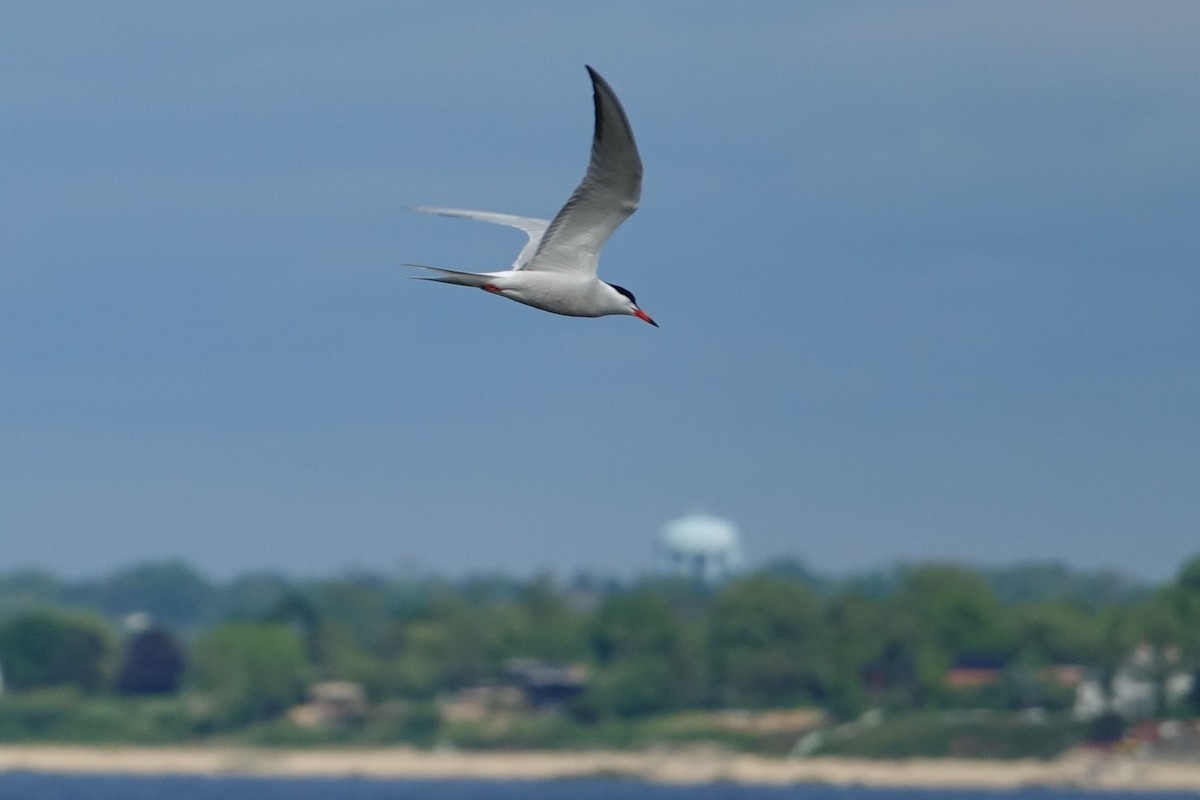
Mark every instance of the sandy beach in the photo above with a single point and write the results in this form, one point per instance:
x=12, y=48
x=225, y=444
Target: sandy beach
x=698, y=765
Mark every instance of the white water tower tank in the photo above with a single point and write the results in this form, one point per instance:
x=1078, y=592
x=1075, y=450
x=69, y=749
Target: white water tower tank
x=699, y=546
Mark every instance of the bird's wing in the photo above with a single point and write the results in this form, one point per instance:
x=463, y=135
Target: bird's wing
x=534, y=228
x=607, y=195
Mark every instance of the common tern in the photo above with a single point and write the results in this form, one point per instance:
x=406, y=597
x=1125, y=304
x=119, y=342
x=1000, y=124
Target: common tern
x=556, y=269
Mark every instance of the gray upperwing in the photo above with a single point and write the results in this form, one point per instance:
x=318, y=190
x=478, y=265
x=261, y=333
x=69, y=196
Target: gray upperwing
x=607, y=195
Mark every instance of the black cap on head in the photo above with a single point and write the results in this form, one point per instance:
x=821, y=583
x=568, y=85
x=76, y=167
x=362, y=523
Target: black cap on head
x=625, y=292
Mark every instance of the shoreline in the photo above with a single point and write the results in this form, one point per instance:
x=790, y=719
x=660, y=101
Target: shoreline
x=697, y=765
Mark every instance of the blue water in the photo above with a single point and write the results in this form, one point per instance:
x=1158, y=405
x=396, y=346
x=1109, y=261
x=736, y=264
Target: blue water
x=27, y=786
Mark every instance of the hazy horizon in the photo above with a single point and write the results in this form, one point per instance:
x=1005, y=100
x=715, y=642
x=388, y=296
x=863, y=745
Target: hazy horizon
x=646, y=572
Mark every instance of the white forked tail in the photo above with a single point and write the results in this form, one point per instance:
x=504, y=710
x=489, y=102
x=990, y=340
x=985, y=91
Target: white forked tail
x=476, y=279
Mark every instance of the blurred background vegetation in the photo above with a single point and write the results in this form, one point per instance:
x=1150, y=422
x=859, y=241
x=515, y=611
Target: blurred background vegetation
x=160, y=653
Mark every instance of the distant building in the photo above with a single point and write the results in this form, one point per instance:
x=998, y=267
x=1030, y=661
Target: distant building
x=331, y=703
x=527, y=685
x=699, y=546
x=1090, y=699
x=1147, y=683
x=974, y=672
x=547, y=686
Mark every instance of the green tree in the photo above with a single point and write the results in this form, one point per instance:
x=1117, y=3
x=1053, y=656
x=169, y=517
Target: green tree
x=171, y=592
x=27, y=590
x=337, y=655
x=542, y=624
x=945, y=613
x=448, y=645
x=153, y=663
x=1045, y=582
x=1191, y=702
x=50, y=648
x=630, y=687
x=1057, y=632
x=648, y=660
x=857, y=628
x=1183, y=597
x=297, y=610
x=770, y=643
x=634, y=624
x=359, y=603
x=958, y=606
x=249, y=671
x=253, y=596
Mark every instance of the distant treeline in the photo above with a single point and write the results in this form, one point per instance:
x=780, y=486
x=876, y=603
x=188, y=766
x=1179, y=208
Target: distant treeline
x=175, y=594
x=242, y=651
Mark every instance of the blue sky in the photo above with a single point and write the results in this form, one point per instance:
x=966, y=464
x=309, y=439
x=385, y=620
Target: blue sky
x=927, y=276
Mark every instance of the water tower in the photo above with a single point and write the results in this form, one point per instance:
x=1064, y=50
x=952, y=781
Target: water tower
x=699, y=546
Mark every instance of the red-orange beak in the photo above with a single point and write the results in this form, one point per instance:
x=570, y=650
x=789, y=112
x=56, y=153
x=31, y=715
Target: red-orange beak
x=644, y=317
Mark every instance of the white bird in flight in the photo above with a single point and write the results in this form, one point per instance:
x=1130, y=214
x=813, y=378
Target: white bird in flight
x=556, y=270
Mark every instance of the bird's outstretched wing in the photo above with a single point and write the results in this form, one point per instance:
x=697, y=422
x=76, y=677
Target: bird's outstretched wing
x=607, y=195
x=533, y=227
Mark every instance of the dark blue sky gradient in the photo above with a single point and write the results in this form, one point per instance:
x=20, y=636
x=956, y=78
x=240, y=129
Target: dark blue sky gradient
x=927, y=276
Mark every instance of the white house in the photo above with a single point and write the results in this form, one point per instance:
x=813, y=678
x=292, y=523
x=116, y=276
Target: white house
x=1145, y=678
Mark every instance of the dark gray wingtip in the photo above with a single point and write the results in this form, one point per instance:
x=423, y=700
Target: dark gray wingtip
x=602, y=95
x=601, y=89
x=597, y=82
